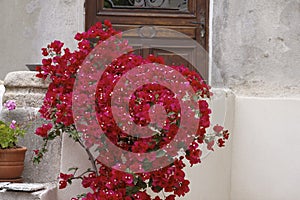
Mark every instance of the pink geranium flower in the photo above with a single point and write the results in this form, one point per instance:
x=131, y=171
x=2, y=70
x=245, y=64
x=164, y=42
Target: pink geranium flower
x=13, y=124
x=10, y=105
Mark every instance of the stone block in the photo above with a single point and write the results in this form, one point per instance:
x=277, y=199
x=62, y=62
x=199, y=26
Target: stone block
x=27, y=79
x=25, y=88
x=28, y=92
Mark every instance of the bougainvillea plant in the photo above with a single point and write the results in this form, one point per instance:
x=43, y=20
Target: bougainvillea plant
x=74, y=82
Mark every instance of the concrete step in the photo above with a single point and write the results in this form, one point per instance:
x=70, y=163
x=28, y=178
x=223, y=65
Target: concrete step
x=28, y=191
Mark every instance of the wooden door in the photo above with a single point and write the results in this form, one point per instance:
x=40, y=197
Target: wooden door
x=189, y=17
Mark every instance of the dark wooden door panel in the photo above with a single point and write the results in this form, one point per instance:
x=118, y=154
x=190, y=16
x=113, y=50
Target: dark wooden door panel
x=174, y=59
x=190, y=19
x=189, y=31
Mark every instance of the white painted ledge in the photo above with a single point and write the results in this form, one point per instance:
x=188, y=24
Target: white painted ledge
x=48, y=193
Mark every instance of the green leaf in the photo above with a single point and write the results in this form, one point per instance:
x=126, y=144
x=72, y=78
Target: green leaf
x=160, y=153
x=135, y=180
x=157, y=189
x=80, y=196
x=171, y=113
x=197, y=114
x=147, y=165
x=127, y=170
x=138, y=181
x=178, y=122
x=8, y=136
x=150, y=182
x=130, y=190
x=73, y=169
x=186, y=97
x=141, y=184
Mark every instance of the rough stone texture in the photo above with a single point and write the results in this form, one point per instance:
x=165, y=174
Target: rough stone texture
x=26, y=89
x=28, y=92
x=49, y=193
x=256, y=46
x=24, y=79
x=29, y=25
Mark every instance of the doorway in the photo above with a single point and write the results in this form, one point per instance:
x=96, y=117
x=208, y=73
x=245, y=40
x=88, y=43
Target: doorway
x=189, y=17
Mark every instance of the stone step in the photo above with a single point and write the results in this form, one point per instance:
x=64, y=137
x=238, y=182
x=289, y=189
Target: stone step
x=28, y=191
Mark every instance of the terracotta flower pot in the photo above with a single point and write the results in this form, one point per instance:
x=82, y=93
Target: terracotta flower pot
x=12, y=162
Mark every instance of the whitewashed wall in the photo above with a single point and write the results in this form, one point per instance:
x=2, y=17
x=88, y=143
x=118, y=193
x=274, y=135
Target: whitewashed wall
x=210, y=180
x=266, y=149
x=29, y=25
x=256, y=48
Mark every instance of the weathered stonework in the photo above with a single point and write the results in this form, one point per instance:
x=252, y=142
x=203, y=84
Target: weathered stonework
x=256, y=46
x=26, y=89
x=28, y=92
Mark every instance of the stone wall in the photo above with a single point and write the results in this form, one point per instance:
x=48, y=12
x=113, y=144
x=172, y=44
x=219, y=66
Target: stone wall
x=256, y=46
x=28, y=92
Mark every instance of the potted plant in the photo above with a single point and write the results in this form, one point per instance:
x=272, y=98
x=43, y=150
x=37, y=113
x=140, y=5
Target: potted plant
x=141, y=165
x=11, y=155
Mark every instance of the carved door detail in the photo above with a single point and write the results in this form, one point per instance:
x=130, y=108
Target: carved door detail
x=189, y=17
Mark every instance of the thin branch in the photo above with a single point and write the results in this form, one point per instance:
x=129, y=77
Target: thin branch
x=81, y=175
x=91, y=157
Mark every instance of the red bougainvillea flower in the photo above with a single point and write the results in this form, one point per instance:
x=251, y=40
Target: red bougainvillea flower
x=218, y=128
x=61, y=66
x=36, y=151
x=221, y=142
x=43, y=130
x=64, y=179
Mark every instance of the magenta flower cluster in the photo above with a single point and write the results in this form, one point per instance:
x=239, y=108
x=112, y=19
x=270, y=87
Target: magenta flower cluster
x=61, y=66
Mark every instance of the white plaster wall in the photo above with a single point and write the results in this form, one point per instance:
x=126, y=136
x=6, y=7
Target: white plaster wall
x=210, y=180
x=72, y=156
x=29, y=25
x=266, y=148
x=256, y=46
